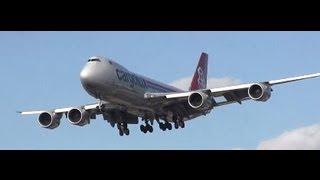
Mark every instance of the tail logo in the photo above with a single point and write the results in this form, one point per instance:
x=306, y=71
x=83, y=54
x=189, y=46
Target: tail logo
x=201, y=78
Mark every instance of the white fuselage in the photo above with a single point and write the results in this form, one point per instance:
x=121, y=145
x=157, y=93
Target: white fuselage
x=106, y=80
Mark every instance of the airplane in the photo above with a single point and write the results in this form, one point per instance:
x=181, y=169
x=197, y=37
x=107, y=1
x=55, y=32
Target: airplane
x=124, y=96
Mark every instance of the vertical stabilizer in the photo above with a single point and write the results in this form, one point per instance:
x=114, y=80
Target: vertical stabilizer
x=199, y=80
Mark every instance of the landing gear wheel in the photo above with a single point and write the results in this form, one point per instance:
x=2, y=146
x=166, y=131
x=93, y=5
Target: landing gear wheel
x=120, y=132
x=142, y=128
x=126, y=131
x=169, y=126
x=162, y=126
x=150, y=128
x=182, y=125
x=176, y=125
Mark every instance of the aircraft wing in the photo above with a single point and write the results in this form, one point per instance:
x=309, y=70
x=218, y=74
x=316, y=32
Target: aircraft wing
x=232, y=94
x=65, y=110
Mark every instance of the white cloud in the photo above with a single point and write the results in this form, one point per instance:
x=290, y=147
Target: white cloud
x=305, y=138
x=222, y=82
x=184, y=83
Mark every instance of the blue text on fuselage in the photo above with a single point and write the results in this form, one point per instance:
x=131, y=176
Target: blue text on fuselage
x=131, y=78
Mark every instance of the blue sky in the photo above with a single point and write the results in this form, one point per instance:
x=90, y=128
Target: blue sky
x=40, y=70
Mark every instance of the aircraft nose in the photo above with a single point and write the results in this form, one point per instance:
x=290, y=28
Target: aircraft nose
x=86, y=76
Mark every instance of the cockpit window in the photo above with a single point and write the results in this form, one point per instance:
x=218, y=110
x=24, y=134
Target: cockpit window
x=95, y=59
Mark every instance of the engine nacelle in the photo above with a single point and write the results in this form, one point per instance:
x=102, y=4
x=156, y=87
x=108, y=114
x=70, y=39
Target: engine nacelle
x=200, y=101
x=78, y=116
x=49, y=120
x=259, y=92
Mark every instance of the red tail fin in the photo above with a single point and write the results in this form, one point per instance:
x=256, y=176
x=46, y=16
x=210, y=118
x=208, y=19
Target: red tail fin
x=199, y=80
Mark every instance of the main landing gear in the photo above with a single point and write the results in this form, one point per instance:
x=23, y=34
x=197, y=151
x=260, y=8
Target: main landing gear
x=178, y=121
x=165, y=126
x=146, y=128
x=123, y=129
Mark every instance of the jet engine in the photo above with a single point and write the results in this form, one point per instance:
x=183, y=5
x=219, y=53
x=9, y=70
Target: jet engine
x=78, y=116
x=49, y=120
x=200, y=101
x=259, y=92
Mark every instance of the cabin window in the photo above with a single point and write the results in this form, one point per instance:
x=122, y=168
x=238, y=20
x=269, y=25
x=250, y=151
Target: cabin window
x=97, y=60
